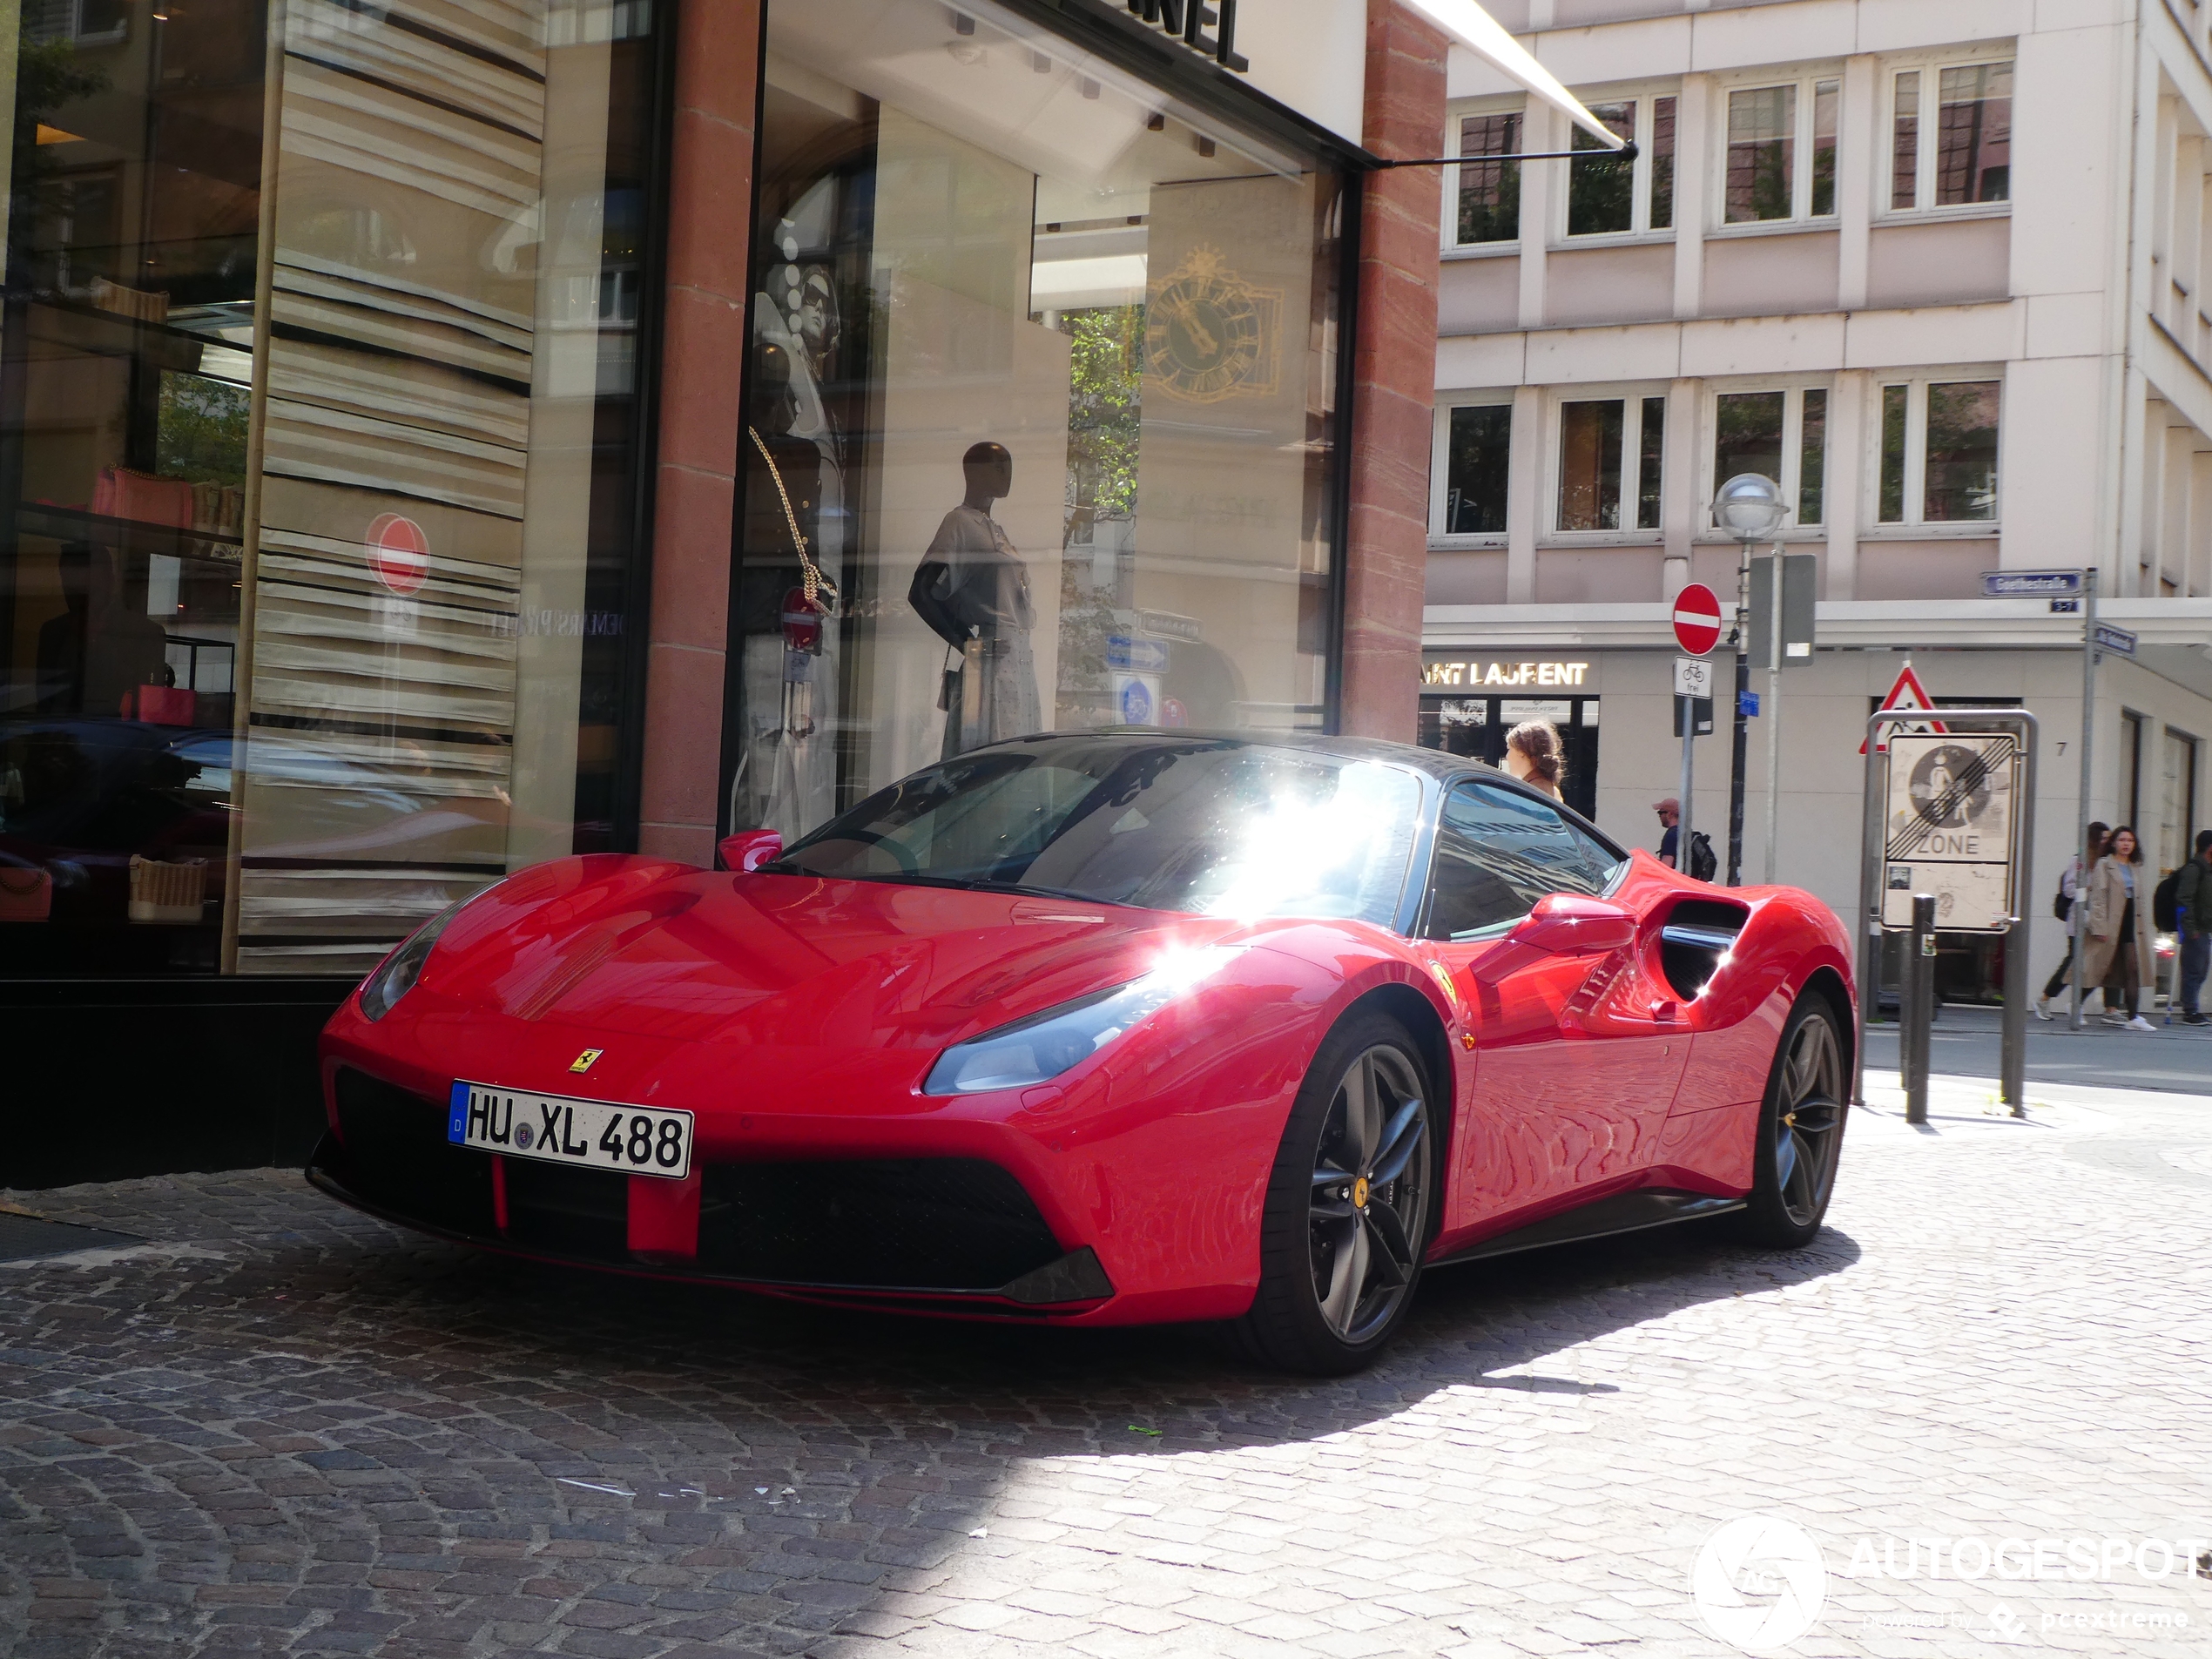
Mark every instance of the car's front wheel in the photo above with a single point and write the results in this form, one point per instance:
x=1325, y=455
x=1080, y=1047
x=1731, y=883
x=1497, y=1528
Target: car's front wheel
x=1801, y=1130
x=1348, y=1205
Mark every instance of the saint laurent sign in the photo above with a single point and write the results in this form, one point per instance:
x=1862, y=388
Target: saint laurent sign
x=1188, y=21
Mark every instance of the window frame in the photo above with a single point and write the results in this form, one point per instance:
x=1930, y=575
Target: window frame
x=1915, y=525
x=1805, y=78
x=1793, y=388
x=1646, y=95
x=1439, y=480
x=1448, y=227
x=1632, y=394
x=1929, y=66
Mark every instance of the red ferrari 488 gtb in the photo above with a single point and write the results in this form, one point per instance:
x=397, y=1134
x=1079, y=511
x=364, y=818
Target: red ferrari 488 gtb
x=1107, y=1028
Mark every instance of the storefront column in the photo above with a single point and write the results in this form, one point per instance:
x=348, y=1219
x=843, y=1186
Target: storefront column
x=1394, y=375
x=717, y=61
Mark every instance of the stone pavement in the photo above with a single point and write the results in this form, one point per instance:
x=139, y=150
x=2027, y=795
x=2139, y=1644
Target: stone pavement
x=282, y=1428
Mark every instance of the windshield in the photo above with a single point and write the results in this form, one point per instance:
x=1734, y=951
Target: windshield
x=1212, y=826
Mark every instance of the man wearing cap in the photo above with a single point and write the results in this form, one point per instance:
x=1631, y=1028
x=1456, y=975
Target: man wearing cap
x=1670, y=811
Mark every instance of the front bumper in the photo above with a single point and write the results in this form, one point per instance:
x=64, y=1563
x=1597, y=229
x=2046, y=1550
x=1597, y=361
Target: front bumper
x=950, y=1235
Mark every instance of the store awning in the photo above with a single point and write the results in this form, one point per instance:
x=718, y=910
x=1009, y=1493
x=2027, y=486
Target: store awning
x=1482, y=34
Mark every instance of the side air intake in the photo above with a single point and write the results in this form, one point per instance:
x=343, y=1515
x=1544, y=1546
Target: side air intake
x=1694, y=939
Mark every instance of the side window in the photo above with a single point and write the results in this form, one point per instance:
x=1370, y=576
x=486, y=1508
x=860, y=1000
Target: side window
x=1498, y=852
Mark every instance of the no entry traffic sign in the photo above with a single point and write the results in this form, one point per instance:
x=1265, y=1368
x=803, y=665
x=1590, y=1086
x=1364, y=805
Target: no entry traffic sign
x=399, y=552
x=1698, y=619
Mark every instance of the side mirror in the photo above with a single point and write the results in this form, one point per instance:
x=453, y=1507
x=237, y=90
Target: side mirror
x=1570, y=924
x=750, y=849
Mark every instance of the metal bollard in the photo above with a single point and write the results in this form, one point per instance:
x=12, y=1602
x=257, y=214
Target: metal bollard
x=1918, y=1009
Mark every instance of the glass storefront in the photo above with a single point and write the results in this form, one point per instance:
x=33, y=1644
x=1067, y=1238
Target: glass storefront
x=320, y=471
x=1477, y=726
x=1043, y=402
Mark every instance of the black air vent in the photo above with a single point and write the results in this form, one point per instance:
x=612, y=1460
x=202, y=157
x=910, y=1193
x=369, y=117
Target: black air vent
x=1695, y=936
x=397, y=1157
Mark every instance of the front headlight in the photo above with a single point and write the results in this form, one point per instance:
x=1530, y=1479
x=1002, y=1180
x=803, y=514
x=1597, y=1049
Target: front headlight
x=1039, y=1048
x=395, y=975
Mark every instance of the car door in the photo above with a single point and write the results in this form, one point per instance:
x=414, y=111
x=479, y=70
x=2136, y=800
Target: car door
x=1576, y=1055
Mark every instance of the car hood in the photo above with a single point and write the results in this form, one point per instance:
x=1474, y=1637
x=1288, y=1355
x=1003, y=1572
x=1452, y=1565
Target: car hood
x=791, y=962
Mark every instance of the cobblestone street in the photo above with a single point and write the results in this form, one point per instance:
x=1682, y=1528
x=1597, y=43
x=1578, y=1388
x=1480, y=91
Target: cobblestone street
x=282, y=1427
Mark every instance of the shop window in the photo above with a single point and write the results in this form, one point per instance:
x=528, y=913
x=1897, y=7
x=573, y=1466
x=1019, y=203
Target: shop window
x=1968, y=108
x=1476, y=727
x=2177, y=822
x=1780, y=160
x=1478, y=455
x=1782, y=434
x=1595, y=437
x=1607, y=195
x=1042, y=435
x=276, y=740
x=1489, y=208
x=1938, y=461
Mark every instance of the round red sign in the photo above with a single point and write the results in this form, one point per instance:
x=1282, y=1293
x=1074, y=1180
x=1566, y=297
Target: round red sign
x=1698, y=619
x=399, y=552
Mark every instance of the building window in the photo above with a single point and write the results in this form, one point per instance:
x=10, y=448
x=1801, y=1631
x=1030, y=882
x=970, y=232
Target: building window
x=1607, y=196
x=1969, y=108
x=1783, y=435
x=2131, y=771
x=1593, y=436
x=1478, y=449
x=1490, y=191
x=1780, y=155
x=1939, y=452
x=2177, y=823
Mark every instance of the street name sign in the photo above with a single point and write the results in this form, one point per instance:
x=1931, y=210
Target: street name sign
x=2028, y=584
x=2108, y=638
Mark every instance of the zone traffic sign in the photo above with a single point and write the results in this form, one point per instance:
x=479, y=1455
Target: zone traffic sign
x=1698, y=619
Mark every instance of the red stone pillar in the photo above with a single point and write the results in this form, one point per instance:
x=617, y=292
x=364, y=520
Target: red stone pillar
x=1394, y=378
x=703, y=345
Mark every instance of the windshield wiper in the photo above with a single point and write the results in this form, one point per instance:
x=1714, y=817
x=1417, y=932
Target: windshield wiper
x=1032, y=891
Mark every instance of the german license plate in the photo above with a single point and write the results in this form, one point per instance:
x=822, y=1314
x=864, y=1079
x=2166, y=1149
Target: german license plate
x=587, y=1134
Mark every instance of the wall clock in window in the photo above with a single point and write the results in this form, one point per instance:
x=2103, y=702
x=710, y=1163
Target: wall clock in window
x=1210, y=334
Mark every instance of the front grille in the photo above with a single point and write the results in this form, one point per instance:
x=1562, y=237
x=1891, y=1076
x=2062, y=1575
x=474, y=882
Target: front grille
x=890, y=1224
x=572, y=1212
x=397, y=1157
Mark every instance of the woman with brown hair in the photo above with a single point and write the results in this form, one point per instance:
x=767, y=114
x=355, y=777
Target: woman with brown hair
x=2118, y=953
x=1534, y=755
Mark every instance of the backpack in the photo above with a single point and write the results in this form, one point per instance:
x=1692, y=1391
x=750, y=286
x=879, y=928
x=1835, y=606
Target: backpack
x=2166, y=902
x=1702, y=864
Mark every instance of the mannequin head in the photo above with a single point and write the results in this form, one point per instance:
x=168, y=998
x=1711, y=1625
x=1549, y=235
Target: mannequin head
x=990, y=474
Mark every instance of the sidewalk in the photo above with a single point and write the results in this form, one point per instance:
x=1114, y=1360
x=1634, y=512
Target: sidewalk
x=1966, y=1044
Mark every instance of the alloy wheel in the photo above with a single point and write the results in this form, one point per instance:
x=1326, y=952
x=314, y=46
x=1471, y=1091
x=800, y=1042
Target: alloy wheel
x=1807, y=1121
x=1369, y=1208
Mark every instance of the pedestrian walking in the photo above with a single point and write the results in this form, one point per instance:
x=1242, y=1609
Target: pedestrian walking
x=1535, y=754
x=2068, y=906
x=2193, y=895
x=2119, y=954
x=1670, y=811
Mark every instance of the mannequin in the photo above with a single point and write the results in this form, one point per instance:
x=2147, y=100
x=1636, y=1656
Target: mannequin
x=973, y=589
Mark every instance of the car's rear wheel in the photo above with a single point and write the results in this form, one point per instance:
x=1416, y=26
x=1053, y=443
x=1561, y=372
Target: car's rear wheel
x=1349, y=1204
x=1801, y=1130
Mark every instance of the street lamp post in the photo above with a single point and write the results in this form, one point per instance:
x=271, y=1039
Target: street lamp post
x=1749, y=507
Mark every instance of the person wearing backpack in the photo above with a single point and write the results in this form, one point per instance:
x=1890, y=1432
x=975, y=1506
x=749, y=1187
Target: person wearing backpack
x=2118, y=953
x=2192, y=906
x=2066, y=905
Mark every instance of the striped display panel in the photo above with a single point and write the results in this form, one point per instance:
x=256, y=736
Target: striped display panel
x=403, y=354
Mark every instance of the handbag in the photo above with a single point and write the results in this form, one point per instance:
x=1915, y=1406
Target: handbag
x=26, y=893
x=2062, y=906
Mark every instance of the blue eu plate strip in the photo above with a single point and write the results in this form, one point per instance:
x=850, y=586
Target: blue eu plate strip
x=458, y=1121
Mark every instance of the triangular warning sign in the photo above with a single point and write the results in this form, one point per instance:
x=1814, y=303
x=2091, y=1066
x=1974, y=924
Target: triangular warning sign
x=1908, y=693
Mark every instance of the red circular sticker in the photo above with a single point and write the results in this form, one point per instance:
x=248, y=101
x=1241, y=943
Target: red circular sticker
x=399, y=552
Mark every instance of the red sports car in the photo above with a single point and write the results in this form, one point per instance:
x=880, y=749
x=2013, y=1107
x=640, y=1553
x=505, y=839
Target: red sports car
x=1107, y=1027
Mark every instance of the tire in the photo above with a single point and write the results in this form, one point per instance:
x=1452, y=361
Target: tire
x=1801, y=1130
x=1341, y=1258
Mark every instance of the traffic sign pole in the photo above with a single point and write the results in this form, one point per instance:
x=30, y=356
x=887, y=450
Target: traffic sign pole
x=1697, y=630
x=2081, y=816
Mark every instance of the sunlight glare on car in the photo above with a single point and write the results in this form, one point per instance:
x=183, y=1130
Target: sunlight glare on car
x=1300, y=855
